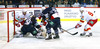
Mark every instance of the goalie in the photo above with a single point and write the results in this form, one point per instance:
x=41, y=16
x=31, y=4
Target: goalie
x=90, y=19
x=31, y=26
x=20, y=19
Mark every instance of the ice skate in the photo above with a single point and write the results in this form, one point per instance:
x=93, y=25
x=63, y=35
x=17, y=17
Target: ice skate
x=49, y=36
x=82, y=34
x=56, y=36
x=90, y=34
x=17, y=35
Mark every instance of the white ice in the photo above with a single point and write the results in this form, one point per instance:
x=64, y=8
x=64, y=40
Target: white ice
x=66, y=40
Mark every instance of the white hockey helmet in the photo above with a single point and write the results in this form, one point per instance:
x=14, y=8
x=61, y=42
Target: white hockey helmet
x=43, y=8
x=82, y=8
x=24, y=10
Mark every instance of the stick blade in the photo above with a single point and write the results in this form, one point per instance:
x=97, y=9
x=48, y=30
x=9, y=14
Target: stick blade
x=75, y=33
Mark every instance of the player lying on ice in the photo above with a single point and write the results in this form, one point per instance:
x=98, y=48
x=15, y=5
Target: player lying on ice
x=31, y=25
x=51, y=19
x=91, y=20
x=25, y=18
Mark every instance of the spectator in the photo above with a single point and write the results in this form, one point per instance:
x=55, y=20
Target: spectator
x=90, y=2
x=71, y=3
x=99, y=4
x=6, y=2
x=23, y=2
x=80, y=1
x=37, y=1
x=15, y=3
x=56, y=0
x=53, y=2
x=29, y=2
x=10, y=2
x=44, y=2
x=48, y=2
x=0, y=3
x=3, y=2
x=41, y=2
x=84, y=3
x=96, y=2
x=60, y=2
x=76, y=4
x=56, y=5
x=65, y=2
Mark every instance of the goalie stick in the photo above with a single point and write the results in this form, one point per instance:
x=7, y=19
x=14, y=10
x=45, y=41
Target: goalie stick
x=69, y=32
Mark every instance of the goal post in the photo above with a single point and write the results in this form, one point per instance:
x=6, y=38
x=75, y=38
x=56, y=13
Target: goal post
x=8, y=22
x=7, y=25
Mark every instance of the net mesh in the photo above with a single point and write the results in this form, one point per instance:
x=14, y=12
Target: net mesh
x=6, y=25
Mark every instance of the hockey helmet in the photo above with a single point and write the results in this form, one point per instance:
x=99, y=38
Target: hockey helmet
x=24, y=10
x=43, y=8
x=81, y=9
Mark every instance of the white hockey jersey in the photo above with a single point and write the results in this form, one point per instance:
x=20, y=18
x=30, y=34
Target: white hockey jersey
x=86, y=16
x=20, y=17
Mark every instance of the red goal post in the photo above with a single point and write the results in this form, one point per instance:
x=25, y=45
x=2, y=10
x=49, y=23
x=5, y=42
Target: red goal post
x=8, y=22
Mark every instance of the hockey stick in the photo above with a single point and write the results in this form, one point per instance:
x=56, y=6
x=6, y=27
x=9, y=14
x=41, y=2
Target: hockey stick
x=69, y=32
x=71, y=28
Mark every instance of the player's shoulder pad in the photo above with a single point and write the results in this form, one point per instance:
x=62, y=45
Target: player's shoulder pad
x=47, y=10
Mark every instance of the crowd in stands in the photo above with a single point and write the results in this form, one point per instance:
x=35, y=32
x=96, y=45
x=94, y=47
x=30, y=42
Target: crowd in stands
x=68, y=3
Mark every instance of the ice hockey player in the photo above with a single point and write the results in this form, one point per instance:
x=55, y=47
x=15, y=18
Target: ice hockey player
x=31, y=26
x=91, y=20
x=44, y=21
x=53, y=21
x=20, y=19
x=42, y=18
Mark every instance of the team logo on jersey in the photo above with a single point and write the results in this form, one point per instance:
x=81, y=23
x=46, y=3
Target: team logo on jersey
x=91, y=22
x=22, y=18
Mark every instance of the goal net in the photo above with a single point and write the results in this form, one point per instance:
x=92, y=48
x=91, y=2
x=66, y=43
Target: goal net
x=7, y=28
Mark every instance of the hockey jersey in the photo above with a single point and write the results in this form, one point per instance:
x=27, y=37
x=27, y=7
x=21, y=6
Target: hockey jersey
x=50, y=13
x=20, y=17
x=86, y=16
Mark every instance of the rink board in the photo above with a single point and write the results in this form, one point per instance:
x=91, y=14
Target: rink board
x=66, y=14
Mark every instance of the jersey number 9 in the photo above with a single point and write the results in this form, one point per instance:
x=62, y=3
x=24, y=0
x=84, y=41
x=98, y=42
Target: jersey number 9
x=90, y=13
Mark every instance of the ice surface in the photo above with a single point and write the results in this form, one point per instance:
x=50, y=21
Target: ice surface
x=66, y=40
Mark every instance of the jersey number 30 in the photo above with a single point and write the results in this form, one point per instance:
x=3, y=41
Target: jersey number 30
x=90, y=13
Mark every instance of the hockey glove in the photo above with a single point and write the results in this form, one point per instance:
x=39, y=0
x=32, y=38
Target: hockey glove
x=38, y=26
x=43, y=23
x=18, y=25
x=78, y=25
